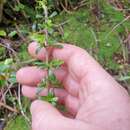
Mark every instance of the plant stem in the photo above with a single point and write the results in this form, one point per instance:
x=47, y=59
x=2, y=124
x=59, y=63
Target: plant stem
x=46, y=32
x=20, y=105
x=46, y=40
x=8, y=107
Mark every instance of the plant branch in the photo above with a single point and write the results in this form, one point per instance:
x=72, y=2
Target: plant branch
x=20, y=105
x=8, y=107
x=117, y=26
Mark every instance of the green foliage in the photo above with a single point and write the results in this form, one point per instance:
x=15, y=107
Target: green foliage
x=50, y=98
x=2, y=53
x=39, y=38
x=76, y=22
x=50, y=79
x=12, y=34
x=124, y=78
x=2, y=33
x=95, y=39
x=6, y=72
x=18, y=123
x=41, y=4
x=54, y=63
x=23, y=53
x=53, y=80
x=19, y=7
x=44, y=41
x=111, y=14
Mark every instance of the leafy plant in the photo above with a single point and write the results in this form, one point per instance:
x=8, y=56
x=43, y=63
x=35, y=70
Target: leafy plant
x=50, y=65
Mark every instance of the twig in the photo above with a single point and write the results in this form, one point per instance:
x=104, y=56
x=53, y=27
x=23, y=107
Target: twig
x=4, y=94
x=61, y=30
x=1, y=9
x=80, y=4
x=66, y=3
x=19, y=33
x=23, y=12
x=65, y=8
x=46, y=20
x=46, y=41
x=117, y=26
x=8, y=107
x=5, y=46
x=124, y=52
x=61, y=24
x=20, y=105
x=95, y=37
x=28, y=62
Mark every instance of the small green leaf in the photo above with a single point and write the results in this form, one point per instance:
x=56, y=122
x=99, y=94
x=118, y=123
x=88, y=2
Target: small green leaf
x=39, y=16
x=56, y=63
x=38, y=91
x=43, y=84
x=3, y=67
x=8, y=61
x=49, y=23
x=38, y=49
x=19, y=7
x=2, y=33
x=53, y=80
x=51, y=42
x=12, y=78
x=53, y=14
x=12, y=33
x=124, y=78
x=2, y=83
x=50, y=98
x=39, y=38
x=41, y=65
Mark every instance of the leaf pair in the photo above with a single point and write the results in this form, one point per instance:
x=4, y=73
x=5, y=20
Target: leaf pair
x=49, y=80
x=50, y=98
x=53, y=64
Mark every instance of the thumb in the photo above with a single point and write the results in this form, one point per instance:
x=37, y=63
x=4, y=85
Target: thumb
x=43, y=115
x=46, y=117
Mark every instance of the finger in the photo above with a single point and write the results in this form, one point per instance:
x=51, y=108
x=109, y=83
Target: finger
x=30, y=75
x=33, y=75
x=31, y=92
x=71, y=56
x=41, y=106
x=72, y=86
x=61, y=73
x=32, y=50
x=79, y=62
x=42, y=114
x=46, y=117
x=72, y=104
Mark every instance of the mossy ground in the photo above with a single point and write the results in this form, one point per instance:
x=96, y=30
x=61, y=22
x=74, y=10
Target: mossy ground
x=17, y=123
x=96, y=35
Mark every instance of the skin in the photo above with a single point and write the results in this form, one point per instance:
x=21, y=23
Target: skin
x=94, y=100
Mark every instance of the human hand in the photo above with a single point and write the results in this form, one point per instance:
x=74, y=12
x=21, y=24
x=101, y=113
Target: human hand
x=90, y=94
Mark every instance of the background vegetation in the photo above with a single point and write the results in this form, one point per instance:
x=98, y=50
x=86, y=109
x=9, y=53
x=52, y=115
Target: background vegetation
x=101, y=27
